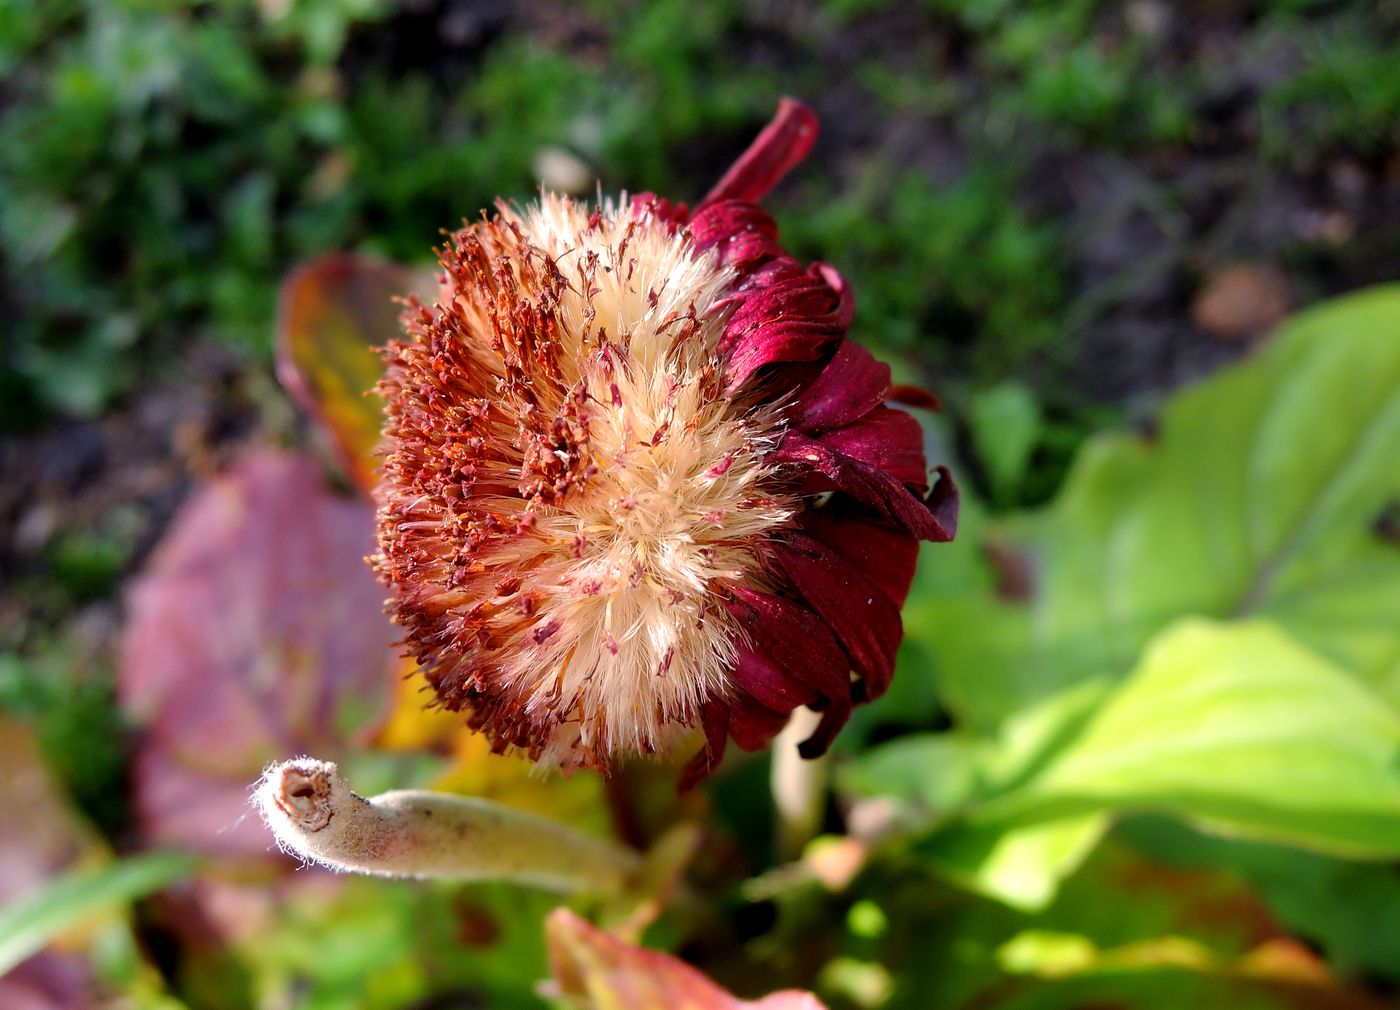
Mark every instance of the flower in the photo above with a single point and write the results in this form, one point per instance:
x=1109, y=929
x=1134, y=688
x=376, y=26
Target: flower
x=636, y=479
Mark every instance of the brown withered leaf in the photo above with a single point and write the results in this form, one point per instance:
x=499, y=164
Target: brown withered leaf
x=1241, y=301
x=601, y=972
x=333, y=313
x=255, y=632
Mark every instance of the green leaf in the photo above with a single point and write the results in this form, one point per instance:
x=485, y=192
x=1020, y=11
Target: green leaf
x=1258, y=493
x=1234, y=727
x=1005, y=421
x=1239, y=728
x=28, y=924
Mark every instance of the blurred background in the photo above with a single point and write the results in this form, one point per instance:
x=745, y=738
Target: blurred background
x=1056, y=213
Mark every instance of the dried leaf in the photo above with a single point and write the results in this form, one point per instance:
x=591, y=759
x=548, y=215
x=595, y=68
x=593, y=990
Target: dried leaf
x=334, y=312
x=601, y=972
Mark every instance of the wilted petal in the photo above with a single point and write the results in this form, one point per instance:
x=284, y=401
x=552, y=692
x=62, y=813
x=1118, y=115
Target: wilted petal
x=888, y=439
x=785, y=314
x=851, y=386
x=831, y=470
x=864, y=618
x=795, y=639
x=888, y=557
x=777, y=150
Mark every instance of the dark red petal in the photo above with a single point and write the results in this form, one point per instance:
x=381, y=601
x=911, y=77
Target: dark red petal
x=753, y=725
x=889, y=439
x=851, y=386
x=743, y=235
x=856, y=607
x=819, y=742
x=784, y=313
x=915, y=396
x=776, y=151
x=794, y=639
x=769, y=683
x=714, y=719
x=887, y=556
x=828, y=469
x=942, y=501
x=799, y=642
x=649, y=204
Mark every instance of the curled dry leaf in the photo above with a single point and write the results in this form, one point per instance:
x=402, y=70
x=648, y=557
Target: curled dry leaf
x=598, y=971
x=334, y=314
x=255, y=632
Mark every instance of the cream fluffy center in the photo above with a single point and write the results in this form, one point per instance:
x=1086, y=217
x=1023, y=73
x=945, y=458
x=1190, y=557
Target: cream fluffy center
x=631, y=638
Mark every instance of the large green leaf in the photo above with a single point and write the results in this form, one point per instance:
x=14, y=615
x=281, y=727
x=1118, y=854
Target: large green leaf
x=1258, y=493
x=1234, y=726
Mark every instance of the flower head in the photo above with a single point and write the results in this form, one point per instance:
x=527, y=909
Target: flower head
x=637, y=481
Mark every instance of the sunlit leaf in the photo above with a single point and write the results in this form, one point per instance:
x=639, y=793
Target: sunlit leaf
x=1260, y=491
x=1232, y=726
x=334, y=313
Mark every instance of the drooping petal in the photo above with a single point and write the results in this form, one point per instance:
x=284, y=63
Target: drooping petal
x=864, y=618
x=794, y=638
x=769, y=682
x=785, y=314
x=828, y=469
x=887, y=556
x=777, y=150
x=752, y=724
x=851, y=385
x=714, y=720
x=889, y=439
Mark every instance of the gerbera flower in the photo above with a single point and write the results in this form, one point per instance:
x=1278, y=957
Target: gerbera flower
x=637, y=480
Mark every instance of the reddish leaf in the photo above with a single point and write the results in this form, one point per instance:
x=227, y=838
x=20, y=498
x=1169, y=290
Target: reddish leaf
x=602, y=972
x=255, y=632
x=334, y=312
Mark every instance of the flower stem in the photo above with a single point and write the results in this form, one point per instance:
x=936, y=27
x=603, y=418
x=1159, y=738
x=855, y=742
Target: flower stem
x=799, y=785
x=311, y=810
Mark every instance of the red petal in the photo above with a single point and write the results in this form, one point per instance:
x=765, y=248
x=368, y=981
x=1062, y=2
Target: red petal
x=769, y=683
x=828, y=469
x=780, y=148
x=753, y=725
x=889, y=439
x=714, y=718
x=784, y=314
x=864, y=618
x=887, y=556
x=796, y=640
x=743, y=235
x=649, y=204
x=851, y=386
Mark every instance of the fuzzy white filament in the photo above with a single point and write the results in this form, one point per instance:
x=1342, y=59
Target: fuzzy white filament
x=312, y=812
